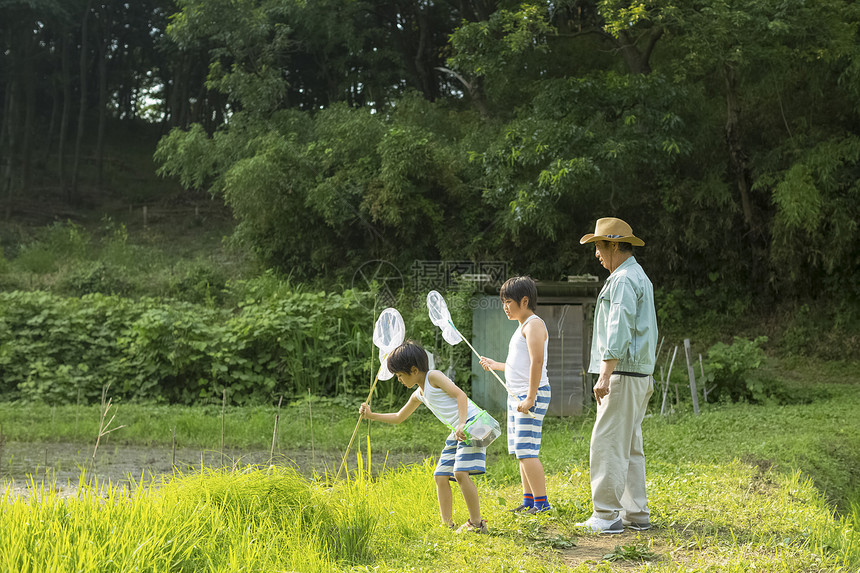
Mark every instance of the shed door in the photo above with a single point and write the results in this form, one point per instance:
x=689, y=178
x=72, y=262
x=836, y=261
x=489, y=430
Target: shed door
x=565, y=362
x=491, y=332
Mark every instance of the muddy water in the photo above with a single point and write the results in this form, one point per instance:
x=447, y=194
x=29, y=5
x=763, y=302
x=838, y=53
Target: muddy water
x=60, y=465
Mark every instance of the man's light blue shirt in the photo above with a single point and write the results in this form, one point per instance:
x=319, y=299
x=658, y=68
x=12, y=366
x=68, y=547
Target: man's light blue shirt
x=625, y=321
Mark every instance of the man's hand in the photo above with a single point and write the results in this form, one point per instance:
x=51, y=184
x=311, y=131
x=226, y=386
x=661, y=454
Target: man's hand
x=525, y=405
x=601, y=389
x=364, y=410
x=489, y=364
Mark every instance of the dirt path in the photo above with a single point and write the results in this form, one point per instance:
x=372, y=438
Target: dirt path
x=591, y=549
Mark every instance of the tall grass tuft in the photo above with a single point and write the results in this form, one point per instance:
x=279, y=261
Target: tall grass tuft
x=217, y=520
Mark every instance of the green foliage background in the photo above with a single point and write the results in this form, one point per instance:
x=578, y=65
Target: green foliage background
x=338, y=132
x=726, y=133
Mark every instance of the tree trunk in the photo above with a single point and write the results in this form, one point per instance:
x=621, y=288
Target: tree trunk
x=638, y=59
x=28, y=77
x=100, y=144
x=16, y=52
x=55, y=112
x=11, y=132
x=733, y=141
x=83, y=104
x=64, y=116
x=6, y=119
x=424, y=71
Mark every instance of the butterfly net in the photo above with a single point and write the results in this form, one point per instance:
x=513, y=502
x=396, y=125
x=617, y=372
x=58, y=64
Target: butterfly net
x=439, y=315
x=388, y=334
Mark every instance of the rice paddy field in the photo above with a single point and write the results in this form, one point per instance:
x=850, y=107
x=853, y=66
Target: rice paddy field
x=739, y=488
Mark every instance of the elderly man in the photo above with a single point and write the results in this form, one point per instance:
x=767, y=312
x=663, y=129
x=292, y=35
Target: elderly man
x=622, y=355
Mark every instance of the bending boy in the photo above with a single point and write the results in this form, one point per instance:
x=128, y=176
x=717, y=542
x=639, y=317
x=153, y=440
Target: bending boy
x=450, y=404
x=525, y=373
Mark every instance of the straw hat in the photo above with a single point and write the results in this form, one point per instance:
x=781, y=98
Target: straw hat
x=612, y=229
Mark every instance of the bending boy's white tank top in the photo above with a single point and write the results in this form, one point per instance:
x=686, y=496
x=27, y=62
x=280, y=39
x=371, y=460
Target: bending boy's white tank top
x=442, y=404
x=518, y=362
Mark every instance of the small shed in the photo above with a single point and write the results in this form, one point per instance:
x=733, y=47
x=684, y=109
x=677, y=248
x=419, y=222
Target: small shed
x=567, y=308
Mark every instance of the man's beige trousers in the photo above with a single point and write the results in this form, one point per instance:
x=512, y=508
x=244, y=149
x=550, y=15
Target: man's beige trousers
x=617, y=459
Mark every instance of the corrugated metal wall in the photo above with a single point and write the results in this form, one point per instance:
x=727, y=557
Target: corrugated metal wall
x=491, y=332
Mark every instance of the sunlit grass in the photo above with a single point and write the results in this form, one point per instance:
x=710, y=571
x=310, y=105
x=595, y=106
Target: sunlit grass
x=728, y=517
x=740, y=488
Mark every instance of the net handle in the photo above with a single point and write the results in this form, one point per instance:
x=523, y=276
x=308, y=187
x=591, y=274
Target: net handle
x=358, y=423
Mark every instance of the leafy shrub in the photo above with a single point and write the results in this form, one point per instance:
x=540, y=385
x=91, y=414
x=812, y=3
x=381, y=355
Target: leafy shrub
x=91, y=277
x=37, y=259
x=60, y=350
x=735, y=370
x=199, y=282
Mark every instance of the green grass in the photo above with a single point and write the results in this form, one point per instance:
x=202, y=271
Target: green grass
x=739, y=488
x=327, y=424
x=724, y=517
x=822, y=438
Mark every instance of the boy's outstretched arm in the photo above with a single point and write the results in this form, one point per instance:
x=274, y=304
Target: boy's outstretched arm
x=490, y=364
x=391, y=418
x=535, y=333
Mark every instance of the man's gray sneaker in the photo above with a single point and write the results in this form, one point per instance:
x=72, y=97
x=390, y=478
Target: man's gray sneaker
x=637, y=526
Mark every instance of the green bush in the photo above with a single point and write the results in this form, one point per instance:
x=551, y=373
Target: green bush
x=62, y=350
x=91, y=277
x=736, y=372
x=199, y=282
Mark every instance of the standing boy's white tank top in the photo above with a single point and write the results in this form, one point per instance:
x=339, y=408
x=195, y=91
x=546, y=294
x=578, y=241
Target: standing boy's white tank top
x=442, y=404
x=518, y=361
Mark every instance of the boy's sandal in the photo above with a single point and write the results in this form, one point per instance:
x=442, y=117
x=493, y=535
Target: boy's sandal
x=520, y=508
x=469, y=526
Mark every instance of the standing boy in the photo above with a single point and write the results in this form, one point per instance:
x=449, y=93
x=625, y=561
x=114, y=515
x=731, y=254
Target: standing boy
x=525, y=373
x=453, y=408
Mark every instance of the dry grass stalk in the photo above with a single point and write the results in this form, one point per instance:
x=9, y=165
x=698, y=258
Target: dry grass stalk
x=104, y=429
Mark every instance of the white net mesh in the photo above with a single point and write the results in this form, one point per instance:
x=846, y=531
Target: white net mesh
x=439, y=315
x=388, y=333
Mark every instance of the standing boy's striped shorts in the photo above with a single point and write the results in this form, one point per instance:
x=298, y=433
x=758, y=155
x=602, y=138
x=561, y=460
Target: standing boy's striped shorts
x=524, y=433
x=458, y=457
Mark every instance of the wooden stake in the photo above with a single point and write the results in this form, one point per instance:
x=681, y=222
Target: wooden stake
x=311, y=415
x=223, y=407
x=704, y=382
x=666, y=383
x=692, y=375
x=173, y=462
x=275, y=429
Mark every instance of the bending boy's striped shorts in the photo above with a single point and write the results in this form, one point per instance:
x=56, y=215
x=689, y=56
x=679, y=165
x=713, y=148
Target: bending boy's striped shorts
x=458, y=457
x=524, y=433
